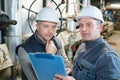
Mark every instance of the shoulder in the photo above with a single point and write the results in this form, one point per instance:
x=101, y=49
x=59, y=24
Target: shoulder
x=109, y=58
x=110, y=55
x=57, y=42
x=25, y=43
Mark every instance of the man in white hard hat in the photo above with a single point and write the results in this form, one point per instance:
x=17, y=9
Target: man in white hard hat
x=43, y=40
x=95, y=59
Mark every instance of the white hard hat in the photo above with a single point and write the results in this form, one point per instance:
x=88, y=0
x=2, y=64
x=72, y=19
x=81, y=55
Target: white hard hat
x=90, y=12
x=47, y=14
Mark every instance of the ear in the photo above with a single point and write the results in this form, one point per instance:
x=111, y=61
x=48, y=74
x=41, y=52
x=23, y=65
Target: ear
x=100, y=27
x=37, y=26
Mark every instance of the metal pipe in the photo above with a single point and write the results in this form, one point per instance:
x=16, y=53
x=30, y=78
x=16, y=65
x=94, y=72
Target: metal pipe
x=14, y=32
x=86, y=2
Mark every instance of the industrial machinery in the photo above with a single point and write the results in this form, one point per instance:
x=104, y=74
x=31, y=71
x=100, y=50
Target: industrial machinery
x=6, y=62
x=17, y=21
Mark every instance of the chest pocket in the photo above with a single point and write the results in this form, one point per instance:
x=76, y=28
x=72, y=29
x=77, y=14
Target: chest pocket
x=84, y=70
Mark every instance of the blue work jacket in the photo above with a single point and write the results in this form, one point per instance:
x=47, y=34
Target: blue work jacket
x=96, y=60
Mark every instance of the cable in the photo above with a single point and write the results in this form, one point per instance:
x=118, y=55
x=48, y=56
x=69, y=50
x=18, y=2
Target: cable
x=29, y=10
x=72, y=3
x=62, y=2
x=56, y=8
x=60, y=16
x=29, y=14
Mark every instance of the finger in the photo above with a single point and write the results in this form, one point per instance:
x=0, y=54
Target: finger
x=57, y=76
x=47, y=43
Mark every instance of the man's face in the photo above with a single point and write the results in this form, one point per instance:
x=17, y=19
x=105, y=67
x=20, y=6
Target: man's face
x=46, y=29
x=90, y=29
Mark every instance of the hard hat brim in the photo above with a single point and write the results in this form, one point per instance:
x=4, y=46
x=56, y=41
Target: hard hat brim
x=80, y=17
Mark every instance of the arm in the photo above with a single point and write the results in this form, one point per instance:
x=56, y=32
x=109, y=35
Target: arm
x=61, y=51
x=25, y=64
x=67, y=62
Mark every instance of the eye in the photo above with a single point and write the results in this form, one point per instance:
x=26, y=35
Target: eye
x=46, y=26
x=80, y=25
x=53, y=27
x=89, y=25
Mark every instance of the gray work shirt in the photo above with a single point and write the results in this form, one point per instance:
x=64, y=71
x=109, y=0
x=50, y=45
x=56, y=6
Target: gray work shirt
x=25, y=62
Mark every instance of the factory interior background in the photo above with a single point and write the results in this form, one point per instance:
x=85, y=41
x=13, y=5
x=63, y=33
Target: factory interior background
x=17, y=23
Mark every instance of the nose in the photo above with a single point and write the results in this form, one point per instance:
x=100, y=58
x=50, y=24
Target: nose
x=83, y=28
x=50, y=30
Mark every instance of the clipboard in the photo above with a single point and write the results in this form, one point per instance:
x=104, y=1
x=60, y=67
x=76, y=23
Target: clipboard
x=47, y=65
